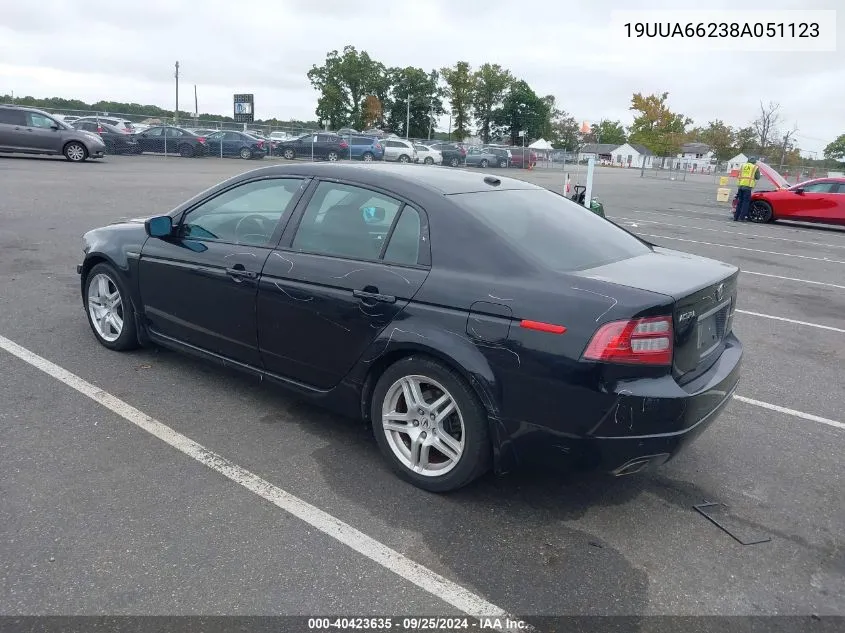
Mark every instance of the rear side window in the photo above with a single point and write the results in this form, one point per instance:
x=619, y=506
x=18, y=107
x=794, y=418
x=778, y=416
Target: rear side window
x=12, y=117
x=404, y=244
x=554, y=232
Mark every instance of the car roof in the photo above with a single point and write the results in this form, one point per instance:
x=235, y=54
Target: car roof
x=443, y=180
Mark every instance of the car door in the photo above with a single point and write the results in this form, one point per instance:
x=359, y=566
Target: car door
x=199, y=286
x=232, y=143
x=42, y=133
x=215, y=144
x=172, y=136
x=815, y=203
x=353, y=261
x=13, y=134
x=152, y=140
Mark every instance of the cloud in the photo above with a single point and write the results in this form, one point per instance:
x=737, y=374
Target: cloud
x=98, y=49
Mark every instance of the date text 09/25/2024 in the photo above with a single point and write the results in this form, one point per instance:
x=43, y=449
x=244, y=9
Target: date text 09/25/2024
x=417, y=623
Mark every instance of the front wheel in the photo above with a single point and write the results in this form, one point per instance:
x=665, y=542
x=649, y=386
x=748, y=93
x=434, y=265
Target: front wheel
x=760, y=211
x=484, y=164
x=75, y=152
x=430, y=425
x=289, y=154
x=503, y=163
x=245, y=153
x=454, y=162
x=109, y=308
x=332, y=156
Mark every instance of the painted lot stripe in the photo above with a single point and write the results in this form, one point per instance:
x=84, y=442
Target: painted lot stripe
x=797, y=414
x=796, y=322
x=745, y=248
x=803, y=281
x=701, y=218
x=734, y=233
x=433, y=583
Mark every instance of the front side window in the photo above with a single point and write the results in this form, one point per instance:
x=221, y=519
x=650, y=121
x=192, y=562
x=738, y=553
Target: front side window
x=39, y=120
x=819, y=187
x=346, y=221
x=246, y=214
x=155, y=131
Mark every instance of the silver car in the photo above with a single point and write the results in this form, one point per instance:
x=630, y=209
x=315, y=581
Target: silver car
x=399, y=150
x=31, y=131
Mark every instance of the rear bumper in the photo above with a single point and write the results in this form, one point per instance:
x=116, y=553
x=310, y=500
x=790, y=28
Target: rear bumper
x=644, y=422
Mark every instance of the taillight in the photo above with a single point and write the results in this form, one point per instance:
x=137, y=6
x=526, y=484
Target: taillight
x=260, y=144
x=201, y=139
x=344, y=145
x=639, y=341
x=99, y=130
x=378, y=145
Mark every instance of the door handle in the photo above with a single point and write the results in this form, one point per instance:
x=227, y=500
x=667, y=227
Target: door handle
x=238, y=272
x=373, y=296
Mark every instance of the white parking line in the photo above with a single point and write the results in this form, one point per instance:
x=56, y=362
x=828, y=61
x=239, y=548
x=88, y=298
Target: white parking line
x=390, y=559
x=803, y=281
x=735, y=233
x=796, y=322
x=745, y=248
x=797, y=414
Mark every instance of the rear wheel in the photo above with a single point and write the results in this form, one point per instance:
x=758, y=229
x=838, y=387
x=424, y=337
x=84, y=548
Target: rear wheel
x=453, y=162
x=75, y=152
x=503, y=163
x=332, y=156
x=430, y=425
x=760, y=211
x=186, y=151
x=367, y=157
x=289, y=153
x=429, y=160
x=484, y=164
x=404, y=159
x=245, y=153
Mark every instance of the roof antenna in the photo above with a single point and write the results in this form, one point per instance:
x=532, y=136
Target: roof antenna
x=492, y=180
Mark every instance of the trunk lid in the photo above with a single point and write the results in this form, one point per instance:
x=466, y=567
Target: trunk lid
x=704, y=292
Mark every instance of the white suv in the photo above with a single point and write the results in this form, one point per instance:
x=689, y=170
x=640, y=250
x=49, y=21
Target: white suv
x=400, y=150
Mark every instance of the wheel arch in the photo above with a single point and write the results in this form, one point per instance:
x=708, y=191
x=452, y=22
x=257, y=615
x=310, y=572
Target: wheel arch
x=78, y=142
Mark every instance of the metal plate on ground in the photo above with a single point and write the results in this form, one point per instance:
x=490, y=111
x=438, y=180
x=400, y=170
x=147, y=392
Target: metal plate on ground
x=717, y=514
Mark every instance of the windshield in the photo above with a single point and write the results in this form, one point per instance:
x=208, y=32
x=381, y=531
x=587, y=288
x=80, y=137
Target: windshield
x=551, y=230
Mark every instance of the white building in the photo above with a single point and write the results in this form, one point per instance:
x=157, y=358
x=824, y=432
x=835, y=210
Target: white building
x=696, y=156
x=629, y=155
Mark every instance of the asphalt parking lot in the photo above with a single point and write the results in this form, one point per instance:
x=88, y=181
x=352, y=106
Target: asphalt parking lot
x=103, y=517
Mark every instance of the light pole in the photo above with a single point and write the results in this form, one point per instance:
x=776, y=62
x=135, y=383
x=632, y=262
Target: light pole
x=176, y=113
x=408, y=119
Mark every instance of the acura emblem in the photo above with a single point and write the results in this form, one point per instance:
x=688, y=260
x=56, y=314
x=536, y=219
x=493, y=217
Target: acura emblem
x=720, y=290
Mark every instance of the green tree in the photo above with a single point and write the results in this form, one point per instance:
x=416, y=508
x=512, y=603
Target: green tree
x=606, y=132
x=343, y=81
x=566, y=132
x=835, y=150
x=491, y=84
x=719, y=137
x=656, y=126
x=460, y=89
x=426, y=103
x=523, y=110
x=745, y=141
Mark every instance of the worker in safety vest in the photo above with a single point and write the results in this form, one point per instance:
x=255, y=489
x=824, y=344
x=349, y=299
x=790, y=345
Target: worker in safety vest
x=749, y=174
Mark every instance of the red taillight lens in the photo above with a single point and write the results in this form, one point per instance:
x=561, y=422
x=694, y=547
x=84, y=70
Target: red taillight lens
x=201, y=139
x=639, y=341
x=344, y=145
x=260, y=144
x=99, y=130
x=378, y=145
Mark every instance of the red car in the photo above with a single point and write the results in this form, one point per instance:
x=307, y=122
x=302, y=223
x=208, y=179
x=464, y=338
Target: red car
x=820, y=200
x=523, y=157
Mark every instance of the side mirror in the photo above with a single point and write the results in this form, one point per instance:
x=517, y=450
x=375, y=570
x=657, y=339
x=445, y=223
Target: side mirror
x=55, y=126
x=799, y=191
x=160, y=226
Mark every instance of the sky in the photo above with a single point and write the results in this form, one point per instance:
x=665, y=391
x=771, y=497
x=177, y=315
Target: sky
x=576, y=50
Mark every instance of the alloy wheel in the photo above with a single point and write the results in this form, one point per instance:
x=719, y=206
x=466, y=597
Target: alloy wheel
x=423, y=425
x=105, y=306
x=75, y=152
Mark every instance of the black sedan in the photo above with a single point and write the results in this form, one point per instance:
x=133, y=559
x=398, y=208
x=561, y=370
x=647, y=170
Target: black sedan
x=117, y=139
x=475, y=321
x=167, y=139
x=236, y=144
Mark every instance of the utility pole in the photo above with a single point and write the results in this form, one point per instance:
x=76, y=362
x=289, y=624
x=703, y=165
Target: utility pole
x=408, y=119
x=176, y=113
x=196, y=104
x=783, y=147
x=430, y=117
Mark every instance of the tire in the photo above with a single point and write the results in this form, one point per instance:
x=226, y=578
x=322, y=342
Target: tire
x=127, y=337
x=186, y=151
x=760, y=212
x=453, y=162
x=289, y=153
x=404, y=158
x=332, y=156
x=75, y=152
x=484, y=164
x=368, y=157
x=429, y=160
x=474, y=452
x=503, y=163
x=245, y=153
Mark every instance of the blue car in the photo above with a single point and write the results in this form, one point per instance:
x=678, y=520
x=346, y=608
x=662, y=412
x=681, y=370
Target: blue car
x=366, y=148
x=235, y=144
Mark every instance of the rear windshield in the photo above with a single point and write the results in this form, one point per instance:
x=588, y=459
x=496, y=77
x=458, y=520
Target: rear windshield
x=553, y=231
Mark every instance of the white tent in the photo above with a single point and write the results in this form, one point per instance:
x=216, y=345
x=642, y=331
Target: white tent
x=541, y=144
